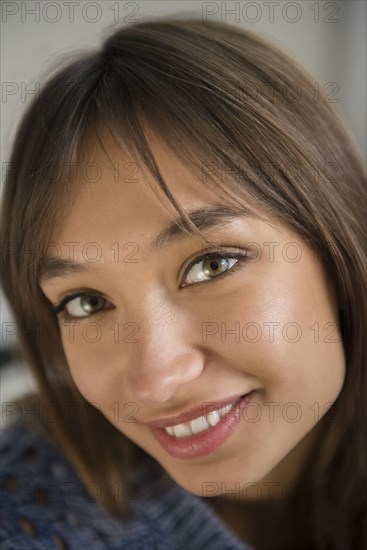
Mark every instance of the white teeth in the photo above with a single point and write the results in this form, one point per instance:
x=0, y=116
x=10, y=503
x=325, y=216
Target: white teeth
x=225, y=410
x=199, y=424
x=181, y=430
x=213, y=418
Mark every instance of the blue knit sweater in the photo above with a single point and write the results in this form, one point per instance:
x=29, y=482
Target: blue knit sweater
x=45, y=506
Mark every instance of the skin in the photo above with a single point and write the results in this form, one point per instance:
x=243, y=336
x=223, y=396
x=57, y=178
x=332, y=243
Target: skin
x=171, y=368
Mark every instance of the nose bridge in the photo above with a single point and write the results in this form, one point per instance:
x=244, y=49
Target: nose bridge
x=165, y=357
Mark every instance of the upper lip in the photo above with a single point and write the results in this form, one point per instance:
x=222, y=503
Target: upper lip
x=203, y=409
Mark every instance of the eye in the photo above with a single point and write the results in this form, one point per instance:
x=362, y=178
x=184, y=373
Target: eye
x=80, y=305
x=213, y=265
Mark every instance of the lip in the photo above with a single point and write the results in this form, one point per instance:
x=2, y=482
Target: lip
x=206, y=442
x=202, y=410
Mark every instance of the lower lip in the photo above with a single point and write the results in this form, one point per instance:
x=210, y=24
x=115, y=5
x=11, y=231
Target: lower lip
x=206, y=442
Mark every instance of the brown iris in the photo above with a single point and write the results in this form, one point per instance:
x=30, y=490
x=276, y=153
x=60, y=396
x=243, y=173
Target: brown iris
x=212, y=266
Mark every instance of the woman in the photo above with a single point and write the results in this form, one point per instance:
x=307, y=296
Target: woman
x=142, y=176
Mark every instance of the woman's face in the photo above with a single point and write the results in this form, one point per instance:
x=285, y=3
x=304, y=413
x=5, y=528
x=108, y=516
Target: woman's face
x=173, y=333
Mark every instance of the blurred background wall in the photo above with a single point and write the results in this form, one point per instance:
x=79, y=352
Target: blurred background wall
x=327, y=37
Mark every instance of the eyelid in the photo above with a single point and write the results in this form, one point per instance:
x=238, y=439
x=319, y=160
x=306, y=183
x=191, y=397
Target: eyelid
x=218, y=251
x=76, y=294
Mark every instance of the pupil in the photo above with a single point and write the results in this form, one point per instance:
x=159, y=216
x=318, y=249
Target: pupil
x=213, y=266
x=89, y=301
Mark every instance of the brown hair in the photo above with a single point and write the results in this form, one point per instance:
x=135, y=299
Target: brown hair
x=215, y=94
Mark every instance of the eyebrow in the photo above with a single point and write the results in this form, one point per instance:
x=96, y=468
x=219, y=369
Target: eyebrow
x=210, y=217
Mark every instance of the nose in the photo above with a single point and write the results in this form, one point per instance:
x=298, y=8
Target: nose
x=165, y=357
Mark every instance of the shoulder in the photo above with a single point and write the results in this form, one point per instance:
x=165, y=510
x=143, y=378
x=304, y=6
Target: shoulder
x=44, y=504
x=28, y=465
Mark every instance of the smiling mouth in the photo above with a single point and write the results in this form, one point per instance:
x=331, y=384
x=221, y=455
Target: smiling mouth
x=201, y=423
x=203, y=434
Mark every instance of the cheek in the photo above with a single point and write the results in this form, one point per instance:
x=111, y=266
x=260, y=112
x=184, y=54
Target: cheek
x=87, y=350
x=283, y=331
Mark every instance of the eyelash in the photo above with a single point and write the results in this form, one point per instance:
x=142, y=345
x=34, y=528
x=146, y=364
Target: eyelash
x=241, y=257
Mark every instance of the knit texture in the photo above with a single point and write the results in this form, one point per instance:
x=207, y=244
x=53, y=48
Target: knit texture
x=45, y=506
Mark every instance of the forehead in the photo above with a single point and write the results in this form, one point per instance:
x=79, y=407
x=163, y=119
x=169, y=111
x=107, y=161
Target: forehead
x=115, y=193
